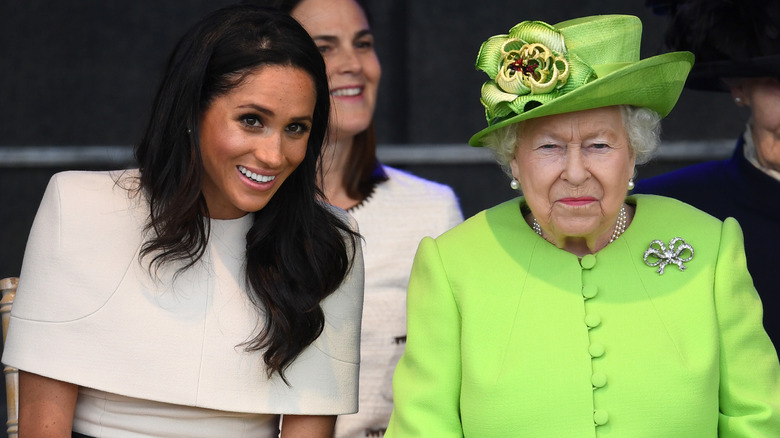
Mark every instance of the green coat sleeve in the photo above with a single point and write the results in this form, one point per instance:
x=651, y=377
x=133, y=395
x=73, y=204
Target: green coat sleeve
x=749, y=372
x=426, y=383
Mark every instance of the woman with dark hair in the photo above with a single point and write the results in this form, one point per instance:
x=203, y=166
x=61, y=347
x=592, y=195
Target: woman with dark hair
x=211, y=290
x=393, y=208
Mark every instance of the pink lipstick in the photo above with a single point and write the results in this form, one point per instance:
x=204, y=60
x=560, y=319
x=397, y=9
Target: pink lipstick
x=577, y=202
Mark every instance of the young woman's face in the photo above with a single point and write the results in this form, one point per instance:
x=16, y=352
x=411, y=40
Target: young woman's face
x=574, y=170
x=253, y=138
x=341, y=31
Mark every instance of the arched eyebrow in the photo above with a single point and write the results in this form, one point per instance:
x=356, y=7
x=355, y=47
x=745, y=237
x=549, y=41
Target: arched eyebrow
x=606, y=133
x=326, y=38
x=334, y=39
x=363, y=33
x=270, y=113
x=258, y=108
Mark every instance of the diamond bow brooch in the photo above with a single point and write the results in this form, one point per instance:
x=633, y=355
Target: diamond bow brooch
x=659, y=255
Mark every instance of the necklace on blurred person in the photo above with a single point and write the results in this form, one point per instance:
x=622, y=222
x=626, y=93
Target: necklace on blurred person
x=620, y=226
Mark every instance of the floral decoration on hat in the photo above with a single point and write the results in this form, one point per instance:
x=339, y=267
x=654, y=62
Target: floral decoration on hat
x=528, y=67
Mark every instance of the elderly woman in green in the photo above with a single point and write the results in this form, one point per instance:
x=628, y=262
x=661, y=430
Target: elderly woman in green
x=575, y=310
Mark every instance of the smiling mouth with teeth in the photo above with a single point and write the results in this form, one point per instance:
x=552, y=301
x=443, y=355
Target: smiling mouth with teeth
x=255, y=177
x=346, y=92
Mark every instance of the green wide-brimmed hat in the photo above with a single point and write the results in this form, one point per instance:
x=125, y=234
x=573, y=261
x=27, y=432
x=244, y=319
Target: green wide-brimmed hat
x=540, y=70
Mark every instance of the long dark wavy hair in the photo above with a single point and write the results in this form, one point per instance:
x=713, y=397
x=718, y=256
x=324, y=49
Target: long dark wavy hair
x=363, y=171
x=297, y=251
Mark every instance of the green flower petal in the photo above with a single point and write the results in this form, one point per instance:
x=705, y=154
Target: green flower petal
x=513, y=44
x=489, y=56
x=580, y=73
x=539, y=32
x=492, y=94
x=500, y=111
x=495, y=100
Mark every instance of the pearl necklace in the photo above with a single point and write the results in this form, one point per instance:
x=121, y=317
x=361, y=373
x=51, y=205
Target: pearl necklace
x=620, y=226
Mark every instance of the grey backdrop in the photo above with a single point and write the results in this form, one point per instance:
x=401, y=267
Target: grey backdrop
x=83, y=72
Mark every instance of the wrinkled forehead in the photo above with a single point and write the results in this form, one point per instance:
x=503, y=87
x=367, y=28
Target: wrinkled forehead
x=574, y=125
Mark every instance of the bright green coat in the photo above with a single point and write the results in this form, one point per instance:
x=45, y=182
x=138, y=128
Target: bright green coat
x=509, y=336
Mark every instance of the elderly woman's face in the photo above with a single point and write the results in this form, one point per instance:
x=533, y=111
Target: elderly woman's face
x=762, y=95
x=574, y=170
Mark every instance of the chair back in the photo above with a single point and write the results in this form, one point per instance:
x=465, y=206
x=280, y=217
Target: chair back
x=8, y=289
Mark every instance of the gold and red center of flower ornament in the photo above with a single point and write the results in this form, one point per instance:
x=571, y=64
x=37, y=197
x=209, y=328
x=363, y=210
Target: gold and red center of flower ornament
x=533, y=68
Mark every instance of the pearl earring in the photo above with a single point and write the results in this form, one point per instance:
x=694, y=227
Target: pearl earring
x=738, y=101
x=631, y=184
x=515, y=184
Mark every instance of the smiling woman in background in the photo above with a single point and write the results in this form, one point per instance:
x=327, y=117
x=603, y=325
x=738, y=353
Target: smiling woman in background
x=393, y=209
x=212, y=289
x=575, y=310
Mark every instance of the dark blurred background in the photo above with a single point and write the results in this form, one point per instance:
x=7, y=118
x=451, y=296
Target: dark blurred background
x=77, y=79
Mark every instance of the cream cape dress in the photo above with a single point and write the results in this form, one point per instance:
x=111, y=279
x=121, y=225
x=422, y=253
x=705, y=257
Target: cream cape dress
x=162, y=356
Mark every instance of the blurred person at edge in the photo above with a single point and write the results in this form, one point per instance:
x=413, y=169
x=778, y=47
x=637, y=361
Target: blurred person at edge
x=577, y=310
x=394, y=209
x=737, y=49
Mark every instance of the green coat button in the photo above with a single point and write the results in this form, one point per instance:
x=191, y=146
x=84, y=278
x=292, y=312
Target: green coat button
x=596, y=350
x=589, y=291
x=598, y=380
x=592, y=320
x=588, y=261
x=600, y=417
